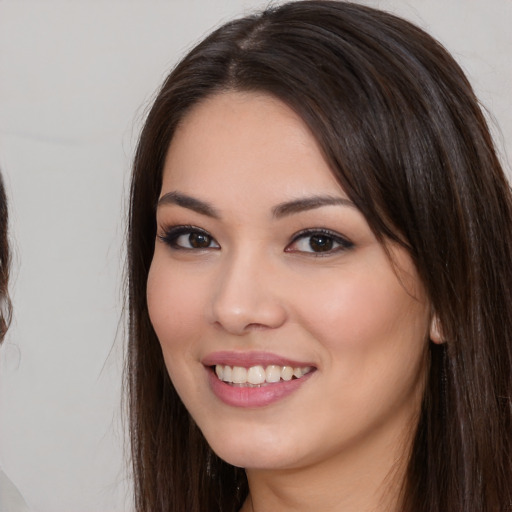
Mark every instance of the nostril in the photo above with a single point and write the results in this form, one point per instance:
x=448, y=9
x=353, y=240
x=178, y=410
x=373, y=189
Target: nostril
x=256, y=326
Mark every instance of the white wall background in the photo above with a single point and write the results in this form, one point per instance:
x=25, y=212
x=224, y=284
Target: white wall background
x=75, y=79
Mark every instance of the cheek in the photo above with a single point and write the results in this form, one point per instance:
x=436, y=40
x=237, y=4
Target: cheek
x=372, y=337
x=358, y=317
x=174, y=305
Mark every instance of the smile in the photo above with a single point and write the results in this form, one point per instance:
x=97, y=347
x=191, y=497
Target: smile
x=257, y=376
x=255, y=379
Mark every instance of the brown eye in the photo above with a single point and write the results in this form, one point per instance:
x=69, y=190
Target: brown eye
x=321, y=243
x=188, y=238
x=199, y=240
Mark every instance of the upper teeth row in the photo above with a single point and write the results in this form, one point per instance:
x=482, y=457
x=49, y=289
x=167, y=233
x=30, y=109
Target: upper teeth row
x=258, y=374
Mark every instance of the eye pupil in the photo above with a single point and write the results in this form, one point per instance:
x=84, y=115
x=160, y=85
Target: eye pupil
x=321, y=243
x=199, y=240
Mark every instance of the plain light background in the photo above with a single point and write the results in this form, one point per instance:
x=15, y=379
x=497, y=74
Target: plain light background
x=76, y=78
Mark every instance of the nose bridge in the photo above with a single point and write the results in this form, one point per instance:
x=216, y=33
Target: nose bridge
x=245, y=296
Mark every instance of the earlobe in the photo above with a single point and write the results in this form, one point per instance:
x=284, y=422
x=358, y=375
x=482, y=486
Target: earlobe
x=436, y=332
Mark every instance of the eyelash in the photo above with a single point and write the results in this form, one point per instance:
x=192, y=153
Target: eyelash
x=172, y=234
x=343, y=243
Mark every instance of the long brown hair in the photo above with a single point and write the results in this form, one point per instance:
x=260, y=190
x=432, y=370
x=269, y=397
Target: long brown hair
x=404, y=135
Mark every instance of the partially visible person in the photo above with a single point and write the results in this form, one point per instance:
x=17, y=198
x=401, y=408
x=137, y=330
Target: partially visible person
x=10, y=497
x=5, y=257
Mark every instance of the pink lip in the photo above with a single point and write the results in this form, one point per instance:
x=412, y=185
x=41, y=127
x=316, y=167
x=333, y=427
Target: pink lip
x=249, y=397
x=246, y=397
x=248, y=359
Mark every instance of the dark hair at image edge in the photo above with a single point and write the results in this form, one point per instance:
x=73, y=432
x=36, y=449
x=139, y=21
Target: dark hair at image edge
x=5, y=303
x=403, y=133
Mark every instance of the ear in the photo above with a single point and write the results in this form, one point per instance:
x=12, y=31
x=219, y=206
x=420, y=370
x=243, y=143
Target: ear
x=436, y=332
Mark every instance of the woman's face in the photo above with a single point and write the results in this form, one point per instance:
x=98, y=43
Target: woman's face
x=287, y=332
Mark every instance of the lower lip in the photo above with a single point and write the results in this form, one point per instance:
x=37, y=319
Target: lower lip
x=241, y=396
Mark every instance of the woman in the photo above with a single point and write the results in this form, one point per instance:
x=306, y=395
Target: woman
x=319, y=275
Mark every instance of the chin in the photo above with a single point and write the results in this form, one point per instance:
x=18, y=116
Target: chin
x=251, y=448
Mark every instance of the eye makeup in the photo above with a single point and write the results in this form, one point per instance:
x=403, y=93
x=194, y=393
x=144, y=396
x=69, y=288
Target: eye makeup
x=188, y=238
x=319, y=242
x=311, y=241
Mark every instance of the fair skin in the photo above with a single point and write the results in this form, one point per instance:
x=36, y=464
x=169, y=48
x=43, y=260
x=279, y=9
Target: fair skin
x=261, y=258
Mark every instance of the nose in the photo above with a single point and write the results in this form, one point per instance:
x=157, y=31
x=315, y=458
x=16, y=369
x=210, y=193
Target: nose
x=246, y=296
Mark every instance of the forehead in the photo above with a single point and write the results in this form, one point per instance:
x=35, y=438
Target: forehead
x=244, y=140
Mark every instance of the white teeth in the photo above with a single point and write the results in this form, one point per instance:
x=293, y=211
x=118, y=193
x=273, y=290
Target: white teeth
x=227, y=375
x=239, y=375
x=287, y=373
x=258, y=375
x=273, y=373
x=298, y=372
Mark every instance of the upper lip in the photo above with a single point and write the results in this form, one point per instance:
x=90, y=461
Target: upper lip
x=248, y=359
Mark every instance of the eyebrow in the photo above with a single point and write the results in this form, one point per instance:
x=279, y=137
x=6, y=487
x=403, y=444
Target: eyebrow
x=309, y=203
x=189, y=202
x=279, y=211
